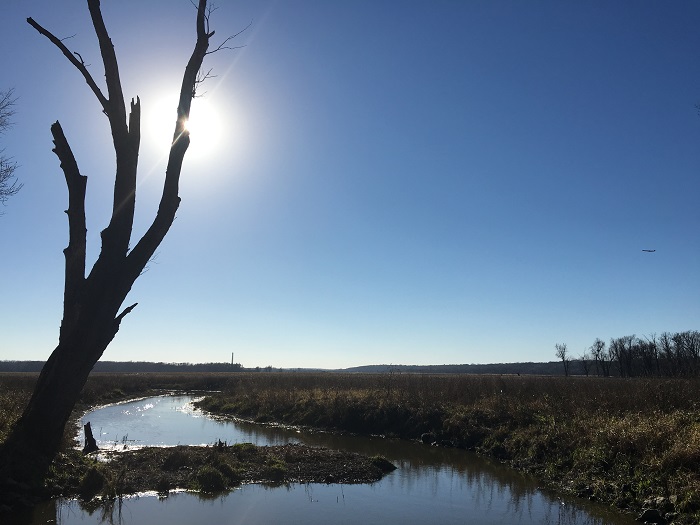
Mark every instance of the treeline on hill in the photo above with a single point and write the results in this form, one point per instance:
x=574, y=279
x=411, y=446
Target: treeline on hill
x=132, y=367
x=129, y=367
x=668, y=355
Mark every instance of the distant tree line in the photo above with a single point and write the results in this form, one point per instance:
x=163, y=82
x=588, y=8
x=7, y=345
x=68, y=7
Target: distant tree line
x=129, y=367
x=667, y=355
x=133, y=367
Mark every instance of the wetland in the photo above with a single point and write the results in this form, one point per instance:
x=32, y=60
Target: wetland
x=492, y=449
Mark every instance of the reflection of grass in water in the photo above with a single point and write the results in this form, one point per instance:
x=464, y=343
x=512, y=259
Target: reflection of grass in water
x=95, y=481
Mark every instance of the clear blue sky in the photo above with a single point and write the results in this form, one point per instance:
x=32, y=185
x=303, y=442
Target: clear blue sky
x=414, y=182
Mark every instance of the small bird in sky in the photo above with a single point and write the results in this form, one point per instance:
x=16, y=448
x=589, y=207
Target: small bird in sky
x=649, y=251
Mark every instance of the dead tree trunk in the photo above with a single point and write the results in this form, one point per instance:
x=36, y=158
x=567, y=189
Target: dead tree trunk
x=90, y=443
x=92, y=307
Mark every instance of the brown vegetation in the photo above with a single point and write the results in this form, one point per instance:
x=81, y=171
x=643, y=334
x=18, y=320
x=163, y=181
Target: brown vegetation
x=212, y=469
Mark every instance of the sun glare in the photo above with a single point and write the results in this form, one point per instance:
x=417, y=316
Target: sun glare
x=206, y=126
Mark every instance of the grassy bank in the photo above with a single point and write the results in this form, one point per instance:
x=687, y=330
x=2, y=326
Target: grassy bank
x=630, y=443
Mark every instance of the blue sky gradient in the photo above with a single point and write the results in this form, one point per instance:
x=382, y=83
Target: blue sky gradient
x=404, y=182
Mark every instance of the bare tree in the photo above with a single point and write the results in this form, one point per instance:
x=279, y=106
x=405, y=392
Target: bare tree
x=648, y=354
x=585, y=361
x=561, y=353
x=93, y=304
x=667, y=354
x=597, y=351
x=601, y=358
x=687, y=350
x=623, y=350
x=8, y=184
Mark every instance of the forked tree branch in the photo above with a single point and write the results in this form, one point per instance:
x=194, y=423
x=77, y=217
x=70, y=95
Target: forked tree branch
x=125, y=137
x=92, y=307
x=207, y=15
x=223, y=45
x=170, y=200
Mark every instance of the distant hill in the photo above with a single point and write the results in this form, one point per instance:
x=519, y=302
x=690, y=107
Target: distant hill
x=550, y=368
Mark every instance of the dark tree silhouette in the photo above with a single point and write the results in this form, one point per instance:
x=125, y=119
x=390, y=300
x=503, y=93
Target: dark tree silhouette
x=600, y=357
x=8, y=184
x=562, y=354
x=92, y=304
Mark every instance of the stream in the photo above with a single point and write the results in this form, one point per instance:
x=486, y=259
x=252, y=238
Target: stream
x=431, y=484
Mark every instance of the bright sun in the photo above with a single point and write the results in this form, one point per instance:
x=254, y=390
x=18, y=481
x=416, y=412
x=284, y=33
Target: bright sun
x=205, y=125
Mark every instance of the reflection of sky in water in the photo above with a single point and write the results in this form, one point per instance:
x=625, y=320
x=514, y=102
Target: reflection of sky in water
x=431, y=485
x=140, y=409
x=317, y=504
x=169, y=421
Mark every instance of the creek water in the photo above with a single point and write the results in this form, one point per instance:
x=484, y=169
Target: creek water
x=431, y=484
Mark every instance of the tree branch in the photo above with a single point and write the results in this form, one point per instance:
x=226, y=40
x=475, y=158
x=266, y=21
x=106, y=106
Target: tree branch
x=7, y=102
x=79, y=64
x=170, y=201
x=126, y=312
x=109, y=59
x=223, y=45
x=126, y=138
x=8, y=187
x=75, y=252
x=135, y=126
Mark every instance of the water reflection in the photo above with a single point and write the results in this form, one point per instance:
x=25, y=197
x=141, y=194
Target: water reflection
x=315, y=504
x=170, y=421
x=432, y=484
